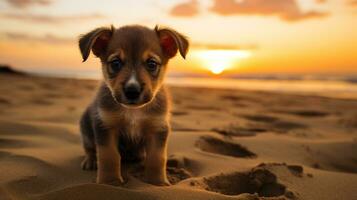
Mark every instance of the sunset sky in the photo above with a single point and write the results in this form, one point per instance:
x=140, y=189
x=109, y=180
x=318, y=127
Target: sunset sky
x=246, y=36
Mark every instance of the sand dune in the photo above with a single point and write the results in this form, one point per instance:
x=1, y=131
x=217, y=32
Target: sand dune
x=225, y=144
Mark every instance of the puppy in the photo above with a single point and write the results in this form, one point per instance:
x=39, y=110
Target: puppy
x=128, y=119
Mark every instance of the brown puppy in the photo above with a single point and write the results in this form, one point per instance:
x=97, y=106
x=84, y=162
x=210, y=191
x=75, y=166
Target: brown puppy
x=129, y=117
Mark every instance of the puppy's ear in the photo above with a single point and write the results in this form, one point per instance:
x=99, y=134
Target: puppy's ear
x=171, y=41
x=96, y=40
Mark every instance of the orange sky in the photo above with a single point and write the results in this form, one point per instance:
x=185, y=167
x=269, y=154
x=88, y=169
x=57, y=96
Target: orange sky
x=280, y=36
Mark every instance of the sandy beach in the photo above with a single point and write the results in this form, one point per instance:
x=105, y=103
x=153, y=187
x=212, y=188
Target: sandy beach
x=225, y=144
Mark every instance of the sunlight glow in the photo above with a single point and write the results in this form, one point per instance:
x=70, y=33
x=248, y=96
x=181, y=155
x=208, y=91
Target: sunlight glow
x=219, y=60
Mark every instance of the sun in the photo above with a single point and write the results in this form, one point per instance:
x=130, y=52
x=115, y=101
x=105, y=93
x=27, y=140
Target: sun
x=219, y=60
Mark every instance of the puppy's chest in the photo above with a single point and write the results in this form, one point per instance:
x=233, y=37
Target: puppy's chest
x=132, y=123
x=129, y=123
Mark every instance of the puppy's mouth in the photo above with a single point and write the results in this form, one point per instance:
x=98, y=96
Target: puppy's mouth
x=132, y=103
x=133, y=106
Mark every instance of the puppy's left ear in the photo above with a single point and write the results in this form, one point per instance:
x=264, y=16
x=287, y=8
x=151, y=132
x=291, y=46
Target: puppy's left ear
x=172, y=41
x=96, y=40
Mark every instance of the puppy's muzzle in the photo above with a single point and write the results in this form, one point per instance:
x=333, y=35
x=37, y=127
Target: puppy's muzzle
x=132, y=93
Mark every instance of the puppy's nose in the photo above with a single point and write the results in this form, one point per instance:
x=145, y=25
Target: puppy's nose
x=132, y=92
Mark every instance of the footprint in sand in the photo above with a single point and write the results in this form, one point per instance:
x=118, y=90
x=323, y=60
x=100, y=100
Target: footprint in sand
x=4, y=101
x=42, y=102
x=53, y=95
x=239, y=99
x=48, y=86
x=285, y=126
x=234, y=130
x=28, y=173
x=259, y=180
x=261, y=118
x=26, y=87
x=273, y=123
x=90, y=87
x=179, y=113
x=15, y=143
x=218, y=146
x=327, y=156
x=349, y=121
x=176, y=175
x=203, y=107
x=231, y=98
x=304, y=113
x=177, y=169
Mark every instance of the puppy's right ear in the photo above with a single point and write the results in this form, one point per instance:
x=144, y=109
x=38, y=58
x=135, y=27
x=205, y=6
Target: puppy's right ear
x=96, y=40
x=171, y=41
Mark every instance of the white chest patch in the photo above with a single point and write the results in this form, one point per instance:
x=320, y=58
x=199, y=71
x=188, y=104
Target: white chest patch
x=134, y=119
x=131, y=122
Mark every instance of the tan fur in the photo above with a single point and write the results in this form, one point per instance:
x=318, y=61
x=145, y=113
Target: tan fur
x=155, y=163
x=134, y=118
x=109, y=171
x=149, y=54
x=120, y=53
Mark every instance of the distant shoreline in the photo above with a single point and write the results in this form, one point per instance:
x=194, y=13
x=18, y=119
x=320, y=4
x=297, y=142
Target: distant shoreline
x=96, y=74
x=335, y=87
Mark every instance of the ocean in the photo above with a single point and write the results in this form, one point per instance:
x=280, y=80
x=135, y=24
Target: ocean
x=336, y=86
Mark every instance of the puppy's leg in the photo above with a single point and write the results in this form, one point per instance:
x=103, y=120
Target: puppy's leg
x=109, y=171
x=90, y=160
x=155, y=162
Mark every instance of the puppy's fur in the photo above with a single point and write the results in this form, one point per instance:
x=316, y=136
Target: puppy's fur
x=116, y=127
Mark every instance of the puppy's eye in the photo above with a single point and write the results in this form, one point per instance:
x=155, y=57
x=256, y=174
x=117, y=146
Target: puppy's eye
x=152, y=65
x=115, y=66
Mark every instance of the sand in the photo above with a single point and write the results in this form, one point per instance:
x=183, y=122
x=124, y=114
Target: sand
x=225, y=144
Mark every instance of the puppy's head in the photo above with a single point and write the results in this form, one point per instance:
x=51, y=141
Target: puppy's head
x=134, y=59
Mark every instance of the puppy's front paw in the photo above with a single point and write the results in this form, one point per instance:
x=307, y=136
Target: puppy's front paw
x=165, y=183
x=112, y=181
x=89, y=163
x=115, y=182
x=158, y=181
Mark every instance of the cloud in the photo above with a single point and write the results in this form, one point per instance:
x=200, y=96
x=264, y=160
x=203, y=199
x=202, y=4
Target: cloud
x=50, y=19
x=287, y=10
x=48, y=38
x=224, y=46
x=353, y=3
x=188, y=9
x=28, y=3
